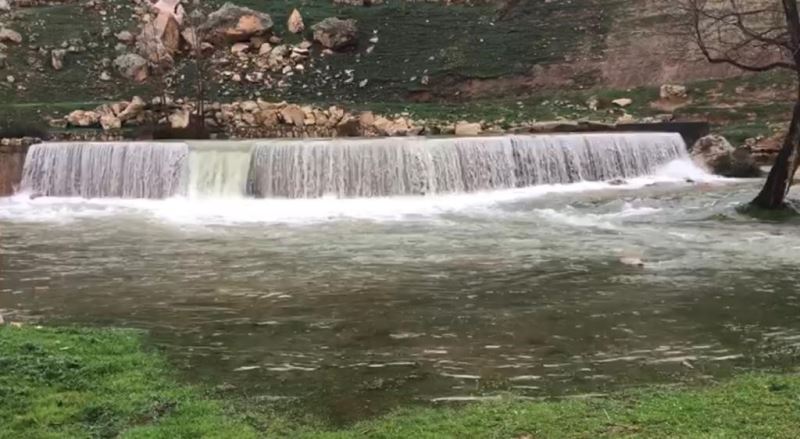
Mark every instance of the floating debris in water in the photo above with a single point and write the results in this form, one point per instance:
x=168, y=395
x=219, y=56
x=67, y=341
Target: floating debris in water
x=246, y=368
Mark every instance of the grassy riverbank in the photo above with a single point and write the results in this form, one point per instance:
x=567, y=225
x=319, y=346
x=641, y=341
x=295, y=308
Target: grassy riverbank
x=101, y=383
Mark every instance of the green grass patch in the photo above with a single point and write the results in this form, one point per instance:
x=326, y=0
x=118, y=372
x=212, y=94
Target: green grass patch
x=762, y=406
x=71, y=383
x=65, y=383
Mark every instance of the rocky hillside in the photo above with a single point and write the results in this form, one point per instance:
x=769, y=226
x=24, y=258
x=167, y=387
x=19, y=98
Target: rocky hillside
x=403, y=51
x=491, y=60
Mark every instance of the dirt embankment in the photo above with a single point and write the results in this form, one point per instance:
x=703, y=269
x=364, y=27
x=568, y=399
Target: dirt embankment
x=647, y=43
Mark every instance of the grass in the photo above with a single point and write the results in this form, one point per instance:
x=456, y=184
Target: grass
x=415, y=40
x=71, y=383
x=75, y=383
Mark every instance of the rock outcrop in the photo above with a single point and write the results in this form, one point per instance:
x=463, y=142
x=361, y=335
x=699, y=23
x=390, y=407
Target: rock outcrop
x=159, y=41
x=336, y=34
x=717, y=155
x=232, y=23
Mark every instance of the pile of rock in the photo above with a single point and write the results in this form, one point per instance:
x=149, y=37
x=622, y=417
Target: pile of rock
x=108, y=117
x=258, y=118
x=233, y=36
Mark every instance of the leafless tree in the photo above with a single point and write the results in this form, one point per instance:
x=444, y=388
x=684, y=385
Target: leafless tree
x=194, y=20
x=755, y=36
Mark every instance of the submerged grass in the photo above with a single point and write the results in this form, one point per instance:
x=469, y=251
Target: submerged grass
x=64, y=383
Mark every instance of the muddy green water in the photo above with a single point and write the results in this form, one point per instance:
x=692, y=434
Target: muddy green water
x=354, y=307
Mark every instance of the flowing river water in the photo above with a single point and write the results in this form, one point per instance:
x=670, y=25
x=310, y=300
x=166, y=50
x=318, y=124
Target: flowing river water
x=354, y=306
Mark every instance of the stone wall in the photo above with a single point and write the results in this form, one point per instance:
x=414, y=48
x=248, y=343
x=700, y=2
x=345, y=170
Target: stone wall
x=12, y=159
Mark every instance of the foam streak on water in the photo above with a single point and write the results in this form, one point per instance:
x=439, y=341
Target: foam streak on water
x=238, y=210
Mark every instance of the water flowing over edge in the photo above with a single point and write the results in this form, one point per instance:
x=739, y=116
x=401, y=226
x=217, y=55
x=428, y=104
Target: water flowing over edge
x=343, y=168
x=228, y=211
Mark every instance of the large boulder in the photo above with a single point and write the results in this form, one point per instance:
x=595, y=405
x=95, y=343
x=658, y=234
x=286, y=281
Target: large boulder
x=717, y=155
x=232, y=23
x=172, y=8
x=159, y=40
x=132, y=66
x=335, y=33
x=765, y=149
x=169, y=30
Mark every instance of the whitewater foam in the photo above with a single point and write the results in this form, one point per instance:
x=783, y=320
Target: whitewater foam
x=221, y=211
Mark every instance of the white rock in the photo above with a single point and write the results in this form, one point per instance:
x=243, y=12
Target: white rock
x=126, y=37
x=622, y=102
x=180, y=119
x=57, y=58
x=240, y=48
x=295, y=23
x=10, y=36
x=673, y=92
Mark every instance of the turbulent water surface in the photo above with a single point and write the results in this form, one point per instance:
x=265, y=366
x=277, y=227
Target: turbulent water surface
x=354, y=306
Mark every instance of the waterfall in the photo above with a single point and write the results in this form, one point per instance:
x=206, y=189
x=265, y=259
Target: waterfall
x=571, y=158
x=218, y=169
x=416, y=166
x=94, y=170
x=344, y=168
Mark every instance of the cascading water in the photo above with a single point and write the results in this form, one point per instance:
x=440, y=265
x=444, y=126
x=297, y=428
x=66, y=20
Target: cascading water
x=218, y=169
x=345, y=168
x=388, y=167
x=592, y=157
x=97, y=170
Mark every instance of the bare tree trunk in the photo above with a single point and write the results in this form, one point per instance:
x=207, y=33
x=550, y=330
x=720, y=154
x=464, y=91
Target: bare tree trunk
x=780, y=177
